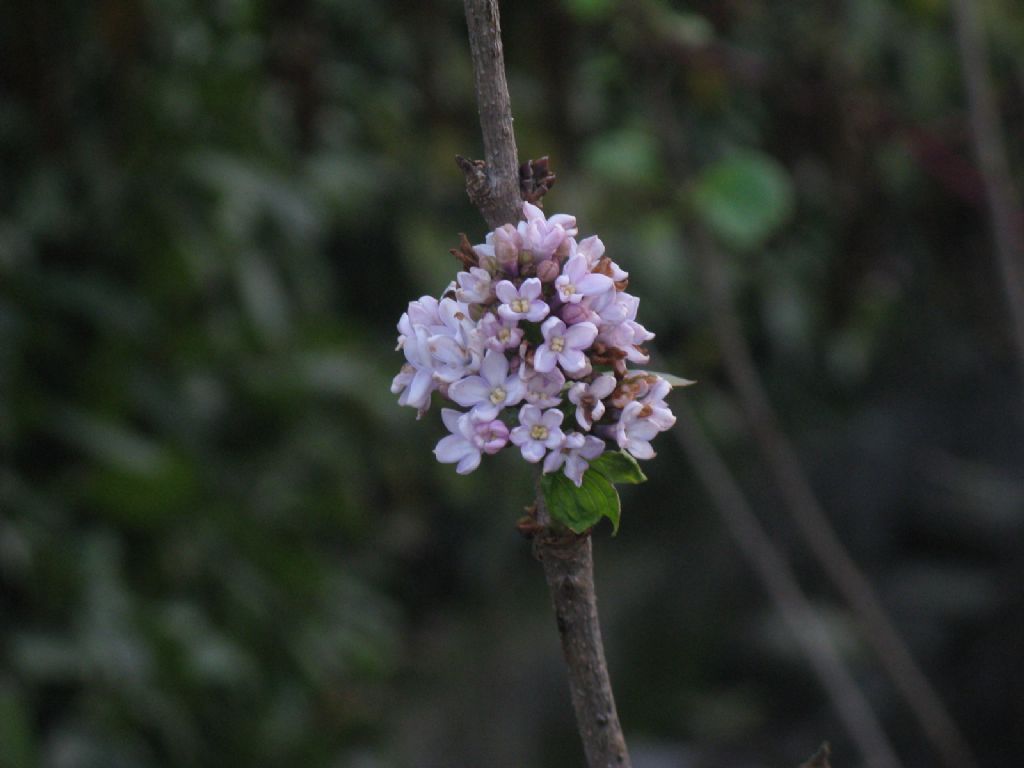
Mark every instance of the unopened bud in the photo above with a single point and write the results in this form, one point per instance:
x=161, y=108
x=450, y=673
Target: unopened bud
x=574, y=313
x=547, y=271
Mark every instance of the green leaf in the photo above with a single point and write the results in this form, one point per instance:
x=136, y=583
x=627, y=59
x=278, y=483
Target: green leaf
x=617, y=467
x=675, y=381
x=580, y=509
x=744, y=199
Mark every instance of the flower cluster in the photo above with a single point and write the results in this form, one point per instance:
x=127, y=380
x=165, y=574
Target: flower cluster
x=534, y=339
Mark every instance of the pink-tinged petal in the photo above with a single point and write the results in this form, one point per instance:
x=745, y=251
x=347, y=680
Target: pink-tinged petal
x=581, y=336
x=533, y=451
x=494, y=368
x=529, y=415
x=641, y=449
x=592, y=248
x=582, y=420
x=592, y=448
x=530, y=289
x=552, y=419
x=565, y=221
x=552, y=327
x=469, y=463
x=574, y=469
x=519, y=435
x=576, y=268
x=506, y=292
x=572, y=360
x=419, y=387
x=469, y=391
x=544, y=359
x=515, y=391
x=452, y=449
x=506, y=312
x=532, y=212
x=603, y=386
x=485, y=411
x=451, y=417
x=594, y=284
x=538, y=311
x=553, y=461
x=555, y=438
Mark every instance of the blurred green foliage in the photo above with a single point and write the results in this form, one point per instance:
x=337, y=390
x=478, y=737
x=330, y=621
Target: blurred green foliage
x=222, y=543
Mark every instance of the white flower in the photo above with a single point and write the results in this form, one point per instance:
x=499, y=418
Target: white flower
x=564, y=345
x=523, y=303
x=492, y=390
x=470, y=438
x=538, y=432
x=574, y=453
x=589, y=399
x=577, y=281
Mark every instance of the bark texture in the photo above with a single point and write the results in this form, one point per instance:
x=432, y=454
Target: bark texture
x=569, y=570
x=495, y=186
x=492, y=185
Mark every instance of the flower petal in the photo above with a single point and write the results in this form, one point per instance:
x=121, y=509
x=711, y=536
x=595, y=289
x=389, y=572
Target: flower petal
x=469, y=391
x=581, y=335
x=494, y=368
x=530, y=289
x=470, y=462
x=544, y=359
x=452, y=449
x=533, y=451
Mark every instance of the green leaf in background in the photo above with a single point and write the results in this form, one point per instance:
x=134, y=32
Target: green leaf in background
x=618, y=467
x=743, y=199
x=580, y=509
x=671, y=378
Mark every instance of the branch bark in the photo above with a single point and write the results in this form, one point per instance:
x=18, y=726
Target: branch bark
x=493, y=186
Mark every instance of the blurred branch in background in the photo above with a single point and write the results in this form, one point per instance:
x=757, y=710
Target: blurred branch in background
x=750, y=223
x=990, y=149
x=783, y=588
x=818, y=533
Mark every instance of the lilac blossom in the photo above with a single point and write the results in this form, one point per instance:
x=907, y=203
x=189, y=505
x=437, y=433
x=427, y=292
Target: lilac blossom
x=474, y=286
x=537, y=309
x=589, y=399
x=492, y=390
x=470, y=438
x=538, y=432
x=577, y=281
x=523, y=303
x=500, y=334
x=575, y=453
x=542, y=389
x=564, y=346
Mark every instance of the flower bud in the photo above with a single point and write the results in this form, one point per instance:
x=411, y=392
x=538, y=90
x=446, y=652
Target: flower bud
x=574, y=313
x=548, y=270
x=506, y=248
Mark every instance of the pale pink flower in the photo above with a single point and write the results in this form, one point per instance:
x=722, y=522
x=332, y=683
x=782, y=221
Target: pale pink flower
x=492, y=390
x=575, y=453
x=523, y=303
x=589, y=399
x=470, y=438
x=577, y=281
x=538, y=432
x=563, y=345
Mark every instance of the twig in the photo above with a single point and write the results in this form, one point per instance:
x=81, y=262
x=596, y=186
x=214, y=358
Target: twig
x=569, y=570
x=782, y=586
x=494, y=187
x=814, y=526
x=990, y=148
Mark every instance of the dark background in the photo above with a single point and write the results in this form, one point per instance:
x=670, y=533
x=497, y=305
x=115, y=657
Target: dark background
x=223, y=543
